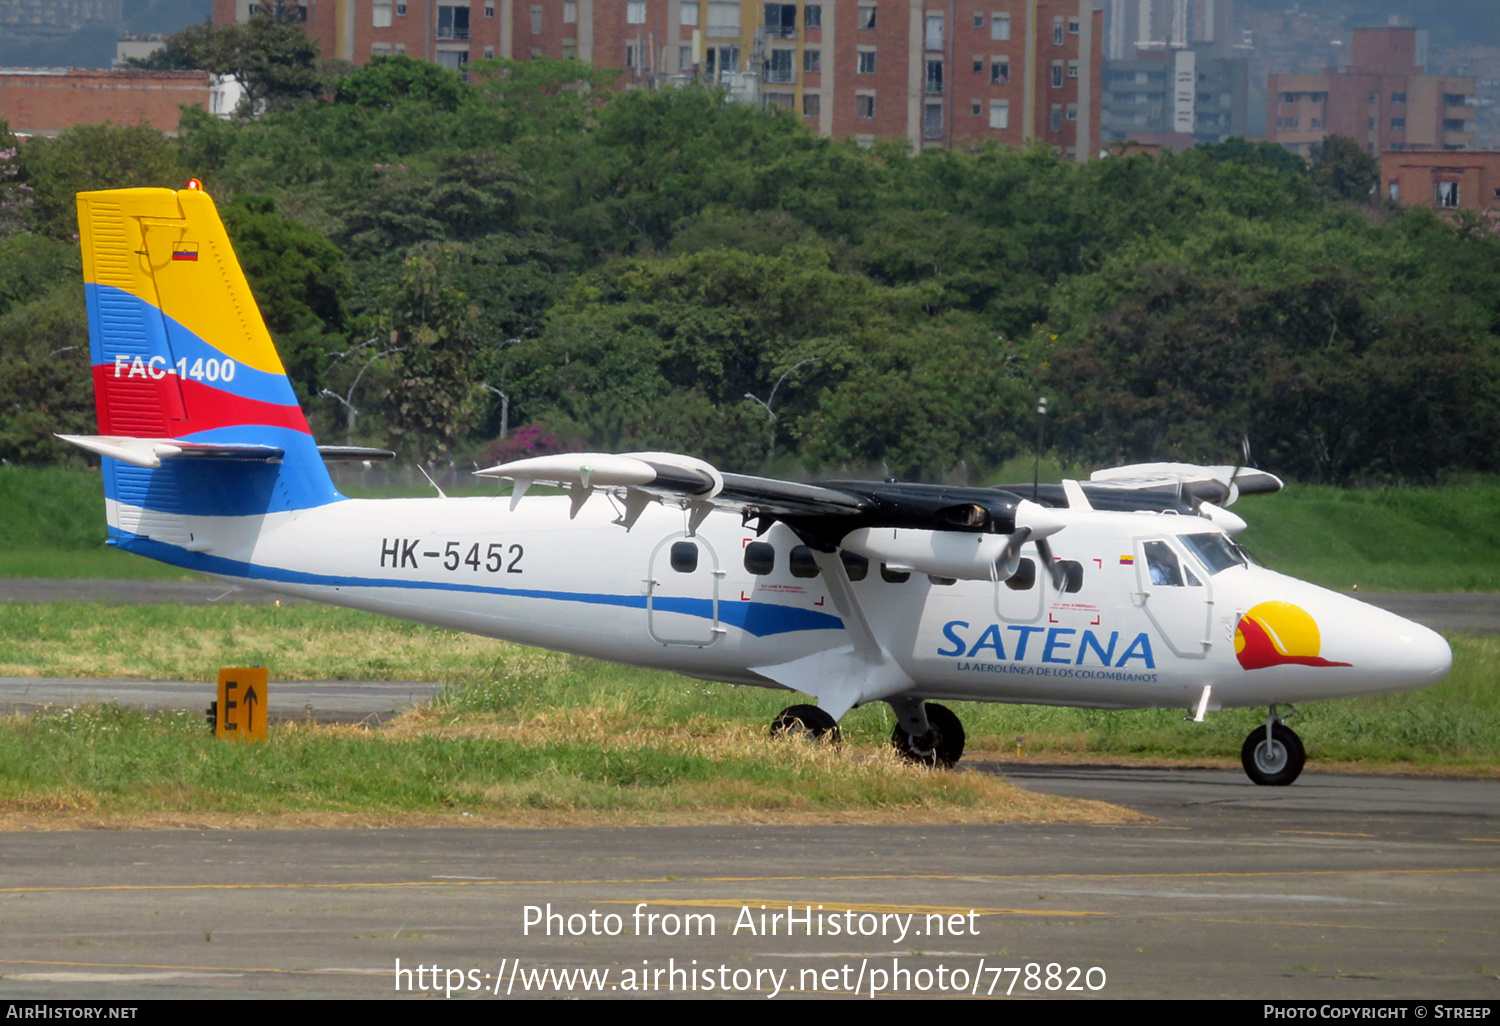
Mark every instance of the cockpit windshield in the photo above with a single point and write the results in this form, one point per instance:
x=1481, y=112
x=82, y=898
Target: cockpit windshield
x=1214, y=551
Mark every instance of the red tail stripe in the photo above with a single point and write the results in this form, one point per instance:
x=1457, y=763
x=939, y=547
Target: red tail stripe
x=212, y=407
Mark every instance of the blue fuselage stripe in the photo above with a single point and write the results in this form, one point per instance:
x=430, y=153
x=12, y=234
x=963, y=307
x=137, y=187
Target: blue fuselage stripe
x=760, y=619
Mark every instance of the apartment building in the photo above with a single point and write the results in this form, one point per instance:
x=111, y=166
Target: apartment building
x=1444, y=180
x=1384, y=99
x=934, y=73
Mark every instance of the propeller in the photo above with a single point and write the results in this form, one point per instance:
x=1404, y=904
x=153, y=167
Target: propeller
x=1054, y=568
x=1244, y=460
x=1010, y=560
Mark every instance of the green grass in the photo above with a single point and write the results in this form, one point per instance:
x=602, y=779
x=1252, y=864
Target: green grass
x=1455, y=724
x=1387, y=539
x=117, y=761
x=52, y=525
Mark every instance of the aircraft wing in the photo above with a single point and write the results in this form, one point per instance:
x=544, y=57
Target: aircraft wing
x=824, y=513
x=1219, y=485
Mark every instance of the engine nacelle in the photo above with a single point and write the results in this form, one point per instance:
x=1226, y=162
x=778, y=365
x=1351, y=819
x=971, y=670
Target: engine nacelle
x=961, y=555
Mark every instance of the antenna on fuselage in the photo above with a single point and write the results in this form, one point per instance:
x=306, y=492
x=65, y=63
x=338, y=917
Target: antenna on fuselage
x=441, y=494
x=1036, y=470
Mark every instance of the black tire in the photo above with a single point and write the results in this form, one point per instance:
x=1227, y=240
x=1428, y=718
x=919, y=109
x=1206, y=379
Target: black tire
x=1275, y=765
x=941, y=748
x=807, y=722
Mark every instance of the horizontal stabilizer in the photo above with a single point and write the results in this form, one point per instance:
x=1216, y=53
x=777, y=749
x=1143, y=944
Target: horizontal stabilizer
x=149, y=452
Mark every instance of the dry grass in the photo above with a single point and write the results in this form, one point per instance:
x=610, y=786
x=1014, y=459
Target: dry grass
x=753, y=780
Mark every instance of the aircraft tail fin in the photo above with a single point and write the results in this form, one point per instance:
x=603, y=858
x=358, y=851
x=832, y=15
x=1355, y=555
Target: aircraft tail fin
x=196, y=414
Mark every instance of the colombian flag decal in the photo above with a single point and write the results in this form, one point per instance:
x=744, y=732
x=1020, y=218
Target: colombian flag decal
x=1127, y=561
x=184, y=251
x=1278, y=634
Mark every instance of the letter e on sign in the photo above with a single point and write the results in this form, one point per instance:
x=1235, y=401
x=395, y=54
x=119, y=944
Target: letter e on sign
x=242, y=704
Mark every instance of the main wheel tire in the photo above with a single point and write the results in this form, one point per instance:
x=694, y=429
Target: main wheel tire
x=1274, y=764
x=943, y=745
x=807, y=722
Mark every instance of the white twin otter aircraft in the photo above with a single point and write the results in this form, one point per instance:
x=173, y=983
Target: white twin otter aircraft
x=1124, y=592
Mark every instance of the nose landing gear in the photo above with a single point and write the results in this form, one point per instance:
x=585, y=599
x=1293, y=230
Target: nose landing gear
x=1273, y=755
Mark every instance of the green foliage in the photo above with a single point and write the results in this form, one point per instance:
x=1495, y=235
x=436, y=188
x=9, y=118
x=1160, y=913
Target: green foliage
x=542, y=96
x=274, y=60
x=1343, y=170
x=16, y=201
x=90, y=157
x=30, y=264
x=417, y=86
x=300, y=282
x=44, y=375
x=430, y=403
x=658, y=256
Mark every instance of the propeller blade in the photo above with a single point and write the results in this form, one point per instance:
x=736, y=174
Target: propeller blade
x=1054, y=568
x=1010, y=560
x=1244, y=460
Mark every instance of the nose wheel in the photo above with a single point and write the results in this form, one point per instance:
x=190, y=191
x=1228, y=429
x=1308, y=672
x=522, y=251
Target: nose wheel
x=1273, y=755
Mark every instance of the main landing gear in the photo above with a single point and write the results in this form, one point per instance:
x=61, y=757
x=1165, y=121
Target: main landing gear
x=807, y=722
x=1273, y=754
x=927, y=733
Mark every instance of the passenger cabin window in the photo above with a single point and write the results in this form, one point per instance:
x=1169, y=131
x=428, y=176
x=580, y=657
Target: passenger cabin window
x=855, y=565
x=942, y=581
x=802, y=563
x=760, y=558
x=894, y=576
x=1072, y=576
x=684, y=557
x=1024, y=577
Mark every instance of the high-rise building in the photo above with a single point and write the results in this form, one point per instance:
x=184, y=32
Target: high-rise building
x=931, y=71
x=1175, y=97
x=1384, y=99
x=44, y=18
x=1132, y=25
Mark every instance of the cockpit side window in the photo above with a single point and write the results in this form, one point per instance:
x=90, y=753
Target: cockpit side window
x=1162, y=564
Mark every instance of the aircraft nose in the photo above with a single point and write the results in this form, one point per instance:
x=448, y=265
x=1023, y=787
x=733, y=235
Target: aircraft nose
x=1418, y=654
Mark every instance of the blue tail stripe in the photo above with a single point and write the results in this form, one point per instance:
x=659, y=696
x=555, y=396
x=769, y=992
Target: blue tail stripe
x=129, y=326
x=761, y=619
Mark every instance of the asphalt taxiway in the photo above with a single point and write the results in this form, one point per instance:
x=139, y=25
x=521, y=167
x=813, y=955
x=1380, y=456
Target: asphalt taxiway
x=1338, y=887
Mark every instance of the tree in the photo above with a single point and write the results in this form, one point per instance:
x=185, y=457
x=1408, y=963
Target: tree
x=433, y=399
x=543, y=96
x=45, y=382
x=299, y=281
x=274, y=61
x=1343, y=170
x=471, y=193
x=90, y=157
x=16, y=201
x=390, y=82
